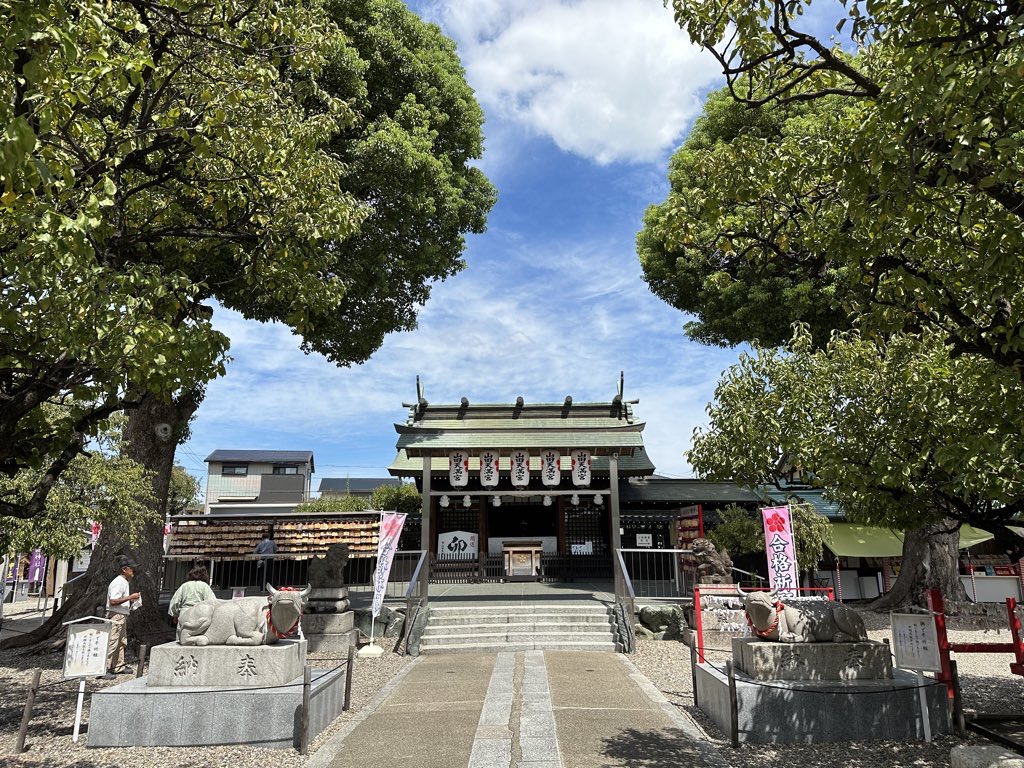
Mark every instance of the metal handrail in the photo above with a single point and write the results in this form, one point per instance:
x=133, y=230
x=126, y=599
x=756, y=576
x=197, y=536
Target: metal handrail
x=627, y=583
x=419, y=599
x=414, y=582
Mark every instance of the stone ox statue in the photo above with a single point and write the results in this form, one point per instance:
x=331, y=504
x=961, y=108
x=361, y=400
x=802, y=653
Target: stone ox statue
x=247, y=621
x=818, y=622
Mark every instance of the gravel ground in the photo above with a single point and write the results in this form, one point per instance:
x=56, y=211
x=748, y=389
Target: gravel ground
x=988, y=686
x=985, y=680
x=49, y=734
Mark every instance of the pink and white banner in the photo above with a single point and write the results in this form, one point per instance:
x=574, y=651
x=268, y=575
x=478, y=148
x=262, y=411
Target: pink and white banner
x=390, y=529
x=781, y=551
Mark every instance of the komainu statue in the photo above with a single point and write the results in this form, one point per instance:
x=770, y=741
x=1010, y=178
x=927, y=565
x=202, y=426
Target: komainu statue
x=713, y=566
x=812, y=622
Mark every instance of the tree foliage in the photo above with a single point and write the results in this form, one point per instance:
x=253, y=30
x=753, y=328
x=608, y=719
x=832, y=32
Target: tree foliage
x=308, y=163
x=400, y=498
x=102, y=485
x=895, y=433
x=742, y=532
x=334, y=505
x=884, y=184
x=183, y=491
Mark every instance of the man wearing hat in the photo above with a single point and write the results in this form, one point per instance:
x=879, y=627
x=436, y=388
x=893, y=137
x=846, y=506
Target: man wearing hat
x=120, y=602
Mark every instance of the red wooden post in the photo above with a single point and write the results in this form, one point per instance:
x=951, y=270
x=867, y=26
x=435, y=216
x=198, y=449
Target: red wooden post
x=938, y=609
x=1018, y=646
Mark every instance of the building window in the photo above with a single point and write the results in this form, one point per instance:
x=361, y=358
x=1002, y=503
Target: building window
x=235, y=469
x=286, y=470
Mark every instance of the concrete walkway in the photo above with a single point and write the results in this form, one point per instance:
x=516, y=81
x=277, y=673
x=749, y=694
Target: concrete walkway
x=528, y=709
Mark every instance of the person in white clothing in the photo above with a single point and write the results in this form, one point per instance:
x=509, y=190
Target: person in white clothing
x=120, y=602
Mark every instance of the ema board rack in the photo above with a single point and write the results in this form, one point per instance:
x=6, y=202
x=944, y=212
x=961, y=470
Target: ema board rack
x=205, y=536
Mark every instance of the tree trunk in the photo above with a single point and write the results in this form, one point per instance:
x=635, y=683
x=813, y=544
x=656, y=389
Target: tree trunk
x=152, y=445
x=930, y=561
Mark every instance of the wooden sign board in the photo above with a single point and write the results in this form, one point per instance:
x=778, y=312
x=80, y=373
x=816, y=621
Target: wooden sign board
x=915, y=642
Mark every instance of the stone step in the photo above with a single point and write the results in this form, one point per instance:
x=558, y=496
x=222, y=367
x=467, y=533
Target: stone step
x=539, y=618
x=520, y=626
x=515, y=636
x=552, y=645
x=588, y=608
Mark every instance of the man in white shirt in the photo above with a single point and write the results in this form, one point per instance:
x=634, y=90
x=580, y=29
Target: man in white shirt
x=120, y=602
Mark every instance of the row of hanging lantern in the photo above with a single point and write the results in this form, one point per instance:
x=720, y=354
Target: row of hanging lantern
x=446, y=502
x=519, y=468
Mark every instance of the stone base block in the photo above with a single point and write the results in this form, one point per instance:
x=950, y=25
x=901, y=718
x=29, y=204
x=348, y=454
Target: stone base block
x=763, y=660
x=328, y=593
x=135, y=714
x=332, y=642
x=321, y=623
x=821, y=711
x=326, y=606
x=227, y=666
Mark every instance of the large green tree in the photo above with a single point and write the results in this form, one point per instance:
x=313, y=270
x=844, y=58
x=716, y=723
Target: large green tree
x=882, y=185
x=306, y=163
x=896, y=434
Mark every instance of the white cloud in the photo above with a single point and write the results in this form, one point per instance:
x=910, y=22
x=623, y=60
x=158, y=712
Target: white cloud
x=608, y=80
x=542, y=320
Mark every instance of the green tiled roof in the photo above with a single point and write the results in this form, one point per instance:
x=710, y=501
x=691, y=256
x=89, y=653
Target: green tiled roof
x=814, y=497
x=657, y=490
x=415, y=440
x=601, y=428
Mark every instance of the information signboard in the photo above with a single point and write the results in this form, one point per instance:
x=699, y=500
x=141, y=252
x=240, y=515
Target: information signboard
x=85, y=652
x=915, y=642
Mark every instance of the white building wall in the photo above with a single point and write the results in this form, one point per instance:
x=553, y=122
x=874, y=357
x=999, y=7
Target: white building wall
x=218, y=485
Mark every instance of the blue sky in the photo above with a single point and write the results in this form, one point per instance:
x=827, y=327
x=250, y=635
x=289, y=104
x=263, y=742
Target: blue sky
x=584, y=101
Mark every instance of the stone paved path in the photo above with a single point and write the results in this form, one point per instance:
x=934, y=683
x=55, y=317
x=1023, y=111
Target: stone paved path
x=531, y=709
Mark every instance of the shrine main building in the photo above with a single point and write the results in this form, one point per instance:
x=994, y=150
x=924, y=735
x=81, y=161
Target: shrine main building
x=520, y=480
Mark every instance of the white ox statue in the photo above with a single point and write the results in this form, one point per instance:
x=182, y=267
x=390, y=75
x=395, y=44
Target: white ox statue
x=247, y=621
x=812, y=622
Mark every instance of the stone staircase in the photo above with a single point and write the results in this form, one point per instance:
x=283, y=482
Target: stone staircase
x=518, y=627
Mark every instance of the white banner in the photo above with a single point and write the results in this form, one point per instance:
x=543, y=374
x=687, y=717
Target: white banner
x=390, y=529
x=520, y=468
x=489, y=469
x=581, y=467
x=550, y=467
x=458, y=469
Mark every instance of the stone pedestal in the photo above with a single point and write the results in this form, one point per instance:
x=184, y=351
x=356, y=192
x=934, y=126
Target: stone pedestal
x=812, y=693
x=327, y=600
x=821, y=711
x=329, y=632
x=764, y=660
x=226, y=666
x=135, y=714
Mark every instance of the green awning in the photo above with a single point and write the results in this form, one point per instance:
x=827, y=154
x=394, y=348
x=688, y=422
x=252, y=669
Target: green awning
x=969, y=536
x=852, y=540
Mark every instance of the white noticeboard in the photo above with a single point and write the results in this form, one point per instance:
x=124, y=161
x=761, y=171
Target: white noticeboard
x=587, y=548
x=458, y=544
x=645, y=540
x=85, y=652
x=915, y=642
